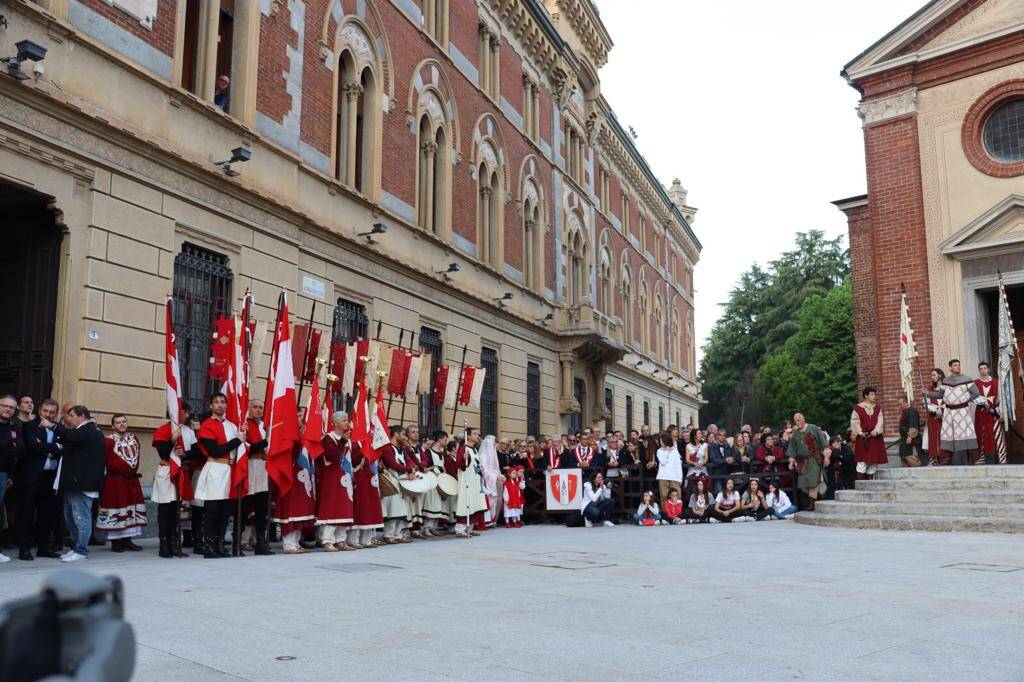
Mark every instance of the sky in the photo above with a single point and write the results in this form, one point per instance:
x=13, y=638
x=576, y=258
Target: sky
x=744, y=103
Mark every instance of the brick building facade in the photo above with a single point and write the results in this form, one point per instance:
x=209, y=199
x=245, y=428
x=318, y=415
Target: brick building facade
x=941, y=98
x=476, y=132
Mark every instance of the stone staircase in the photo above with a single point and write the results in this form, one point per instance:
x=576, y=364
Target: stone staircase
x=969, y=498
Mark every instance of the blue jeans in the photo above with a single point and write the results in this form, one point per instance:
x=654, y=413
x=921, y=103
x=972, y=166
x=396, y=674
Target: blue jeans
x=599, y=511
x=788, y=511
x=3, y=485
x=78, y=516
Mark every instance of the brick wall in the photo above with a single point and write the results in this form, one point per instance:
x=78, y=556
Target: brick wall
x=161, y=36
x=862, y=267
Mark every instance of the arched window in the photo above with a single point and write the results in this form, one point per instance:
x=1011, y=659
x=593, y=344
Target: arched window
x=533, y=237
x=357, y=111
x=605, y=301
x=674, y=341
x=645, y=319
x=577, y=254
x=489, y=208
x=659, y=328
x=433, y=167
x=628, y=308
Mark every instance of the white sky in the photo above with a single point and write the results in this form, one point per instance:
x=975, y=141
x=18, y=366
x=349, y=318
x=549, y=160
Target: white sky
x=746, y=106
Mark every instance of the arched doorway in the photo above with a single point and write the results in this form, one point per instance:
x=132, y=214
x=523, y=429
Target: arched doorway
x=30, y=261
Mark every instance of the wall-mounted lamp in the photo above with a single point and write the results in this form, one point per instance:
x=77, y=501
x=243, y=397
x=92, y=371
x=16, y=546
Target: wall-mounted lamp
x=637, y=365
x=238, y=155
x=28, y=51
x=378, y=228
x=452, y=267
x=507, y=296
x=547, y=318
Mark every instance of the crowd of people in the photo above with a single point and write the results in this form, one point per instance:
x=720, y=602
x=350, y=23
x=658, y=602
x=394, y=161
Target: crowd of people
x=73, y=486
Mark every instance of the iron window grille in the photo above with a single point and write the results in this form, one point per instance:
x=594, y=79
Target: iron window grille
x=489, y=393
x=532, y=399
x=350, y=325
x=431, y=414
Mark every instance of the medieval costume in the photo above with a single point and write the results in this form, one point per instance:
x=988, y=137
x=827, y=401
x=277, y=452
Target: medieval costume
x=934, y=405
x=218, y=440
x=470, y=503
x=910, y=437
x=172, y=484
x=582, y=456
x=434, y=507
x=295, y=510
x=493, y=481
x=513, y=497
x=394, y=507
x=807, y=446
x=334, y=492
x=986, y=424
x=122, y=513
x=366, y=504
x=959, y=396
x=414, y=503
x=869, y=443
x=256, y=504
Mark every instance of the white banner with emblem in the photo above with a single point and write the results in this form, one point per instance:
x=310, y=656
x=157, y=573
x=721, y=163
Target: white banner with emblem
x=564, y=489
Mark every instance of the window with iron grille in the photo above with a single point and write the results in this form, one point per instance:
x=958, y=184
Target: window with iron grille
x=677, y=420
x=350, y=325
x=629, y=415
x=647, y=413
x=576, y=418
x=661, y=417
x=430, y=414
x=532, y=399
x=489, y=394
x=202, y=291
x=609, y=403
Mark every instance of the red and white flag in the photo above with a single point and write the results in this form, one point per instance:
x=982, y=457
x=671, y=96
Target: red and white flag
x=471, y=386
x=412, y=383
x=334, y=388
x=380, y=434
x=367, y=369
x=236, y=390
x=172, y=376
x=361, y=424
x=281, y=415
x=398, y=376
x=314, y=428
x=446, y=386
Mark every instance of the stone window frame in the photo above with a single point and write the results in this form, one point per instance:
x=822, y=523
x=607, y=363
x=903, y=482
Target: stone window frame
x=974, y=124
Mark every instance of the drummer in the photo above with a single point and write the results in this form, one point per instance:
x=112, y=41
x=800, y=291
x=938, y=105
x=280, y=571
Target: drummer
x=392, y=459
x=414, y=455
x=433, y=505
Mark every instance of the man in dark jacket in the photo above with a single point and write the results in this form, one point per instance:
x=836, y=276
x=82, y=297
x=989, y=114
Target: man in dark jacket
x=12, y=448
x=80, y=476
x=37, y=501
x=723, y=458
x=910, y=434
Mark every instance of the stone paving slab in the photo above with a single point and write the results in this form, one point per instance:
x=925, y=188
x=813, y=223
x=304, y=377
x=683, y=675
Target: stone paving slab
x=770, y=600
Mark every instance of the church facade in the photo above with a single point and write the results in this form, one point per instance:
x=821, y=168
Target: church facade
x=942, y=110
x=436, y=173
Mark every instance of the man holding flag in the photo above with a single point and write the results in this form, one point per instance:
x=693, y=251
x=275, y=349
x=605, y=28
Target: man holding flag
x=257, y=501
x=367, y=515
x=295, y=508
x=218, y=439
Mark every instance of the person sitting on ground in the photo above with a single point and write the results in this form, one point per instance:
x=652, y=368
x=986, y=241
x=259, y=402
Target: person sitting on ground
x=701, y=502
x=778, y=502
x=727, y=503
x=647, y=514
x=753, y=502
x=673, y=508
x=598, y=504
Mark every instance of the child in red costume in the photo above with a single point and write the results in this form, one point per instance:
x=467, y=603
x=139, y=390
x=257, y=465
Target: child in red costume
x=514, y=499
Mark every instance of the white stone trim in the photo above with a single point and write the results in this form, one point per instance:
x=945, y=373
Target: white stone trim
x=885, y=108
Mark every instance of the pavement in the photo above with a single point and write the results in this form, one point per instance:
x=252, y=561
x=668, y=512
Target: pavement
x=768, y=600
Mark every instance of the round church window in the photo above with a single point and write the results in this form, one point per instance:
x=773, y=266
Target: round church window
x=1003, y=132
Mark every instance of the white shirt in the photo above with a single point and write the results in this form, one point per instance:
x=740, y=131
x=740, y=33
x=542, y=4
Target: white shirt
x=670, y=466
x=700, y=453
x=778, y=502
x=734, y=497
x=590, y=495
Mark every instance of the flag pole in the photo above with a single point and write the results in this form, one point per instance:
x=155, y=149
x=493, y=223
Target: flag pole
x=462, y=366
x=236, y=545
x=1013, y=332
x=412, y=340
x=391, y=396
x=305, y=356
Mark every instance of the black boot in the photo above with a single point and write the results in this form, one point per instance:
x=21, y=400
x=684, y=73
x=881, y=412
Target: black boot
x=198, y=544
x=116, y=546
x=165, y=548
x=210, y=548
x=263, y=547
x=176, y=546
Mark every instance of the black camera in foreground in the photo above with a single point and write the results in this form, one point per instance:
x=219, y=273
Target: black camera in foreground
x=73, y=629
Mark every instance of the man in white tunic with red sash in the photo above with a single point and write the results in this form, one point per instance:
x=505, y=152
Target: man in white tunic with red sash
x=866, y=428
x=960, y=396
x=334, y=486
x=122, y=514
x=218, y=439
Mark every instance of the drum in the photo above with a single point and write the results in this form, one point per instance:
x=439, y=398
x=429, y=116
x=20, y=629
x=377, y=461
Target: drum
x=447, y=485
x=388, y=484
x=418, y=486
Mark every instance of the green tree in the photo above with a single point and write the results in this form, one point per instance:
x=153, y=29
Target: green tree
x=816, y=370
x=757, y=320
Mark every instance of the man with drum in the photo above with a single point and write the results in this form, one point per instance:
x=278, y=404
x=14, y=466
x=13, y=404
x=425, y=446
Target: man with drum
x=433, y=504
x=394, y=466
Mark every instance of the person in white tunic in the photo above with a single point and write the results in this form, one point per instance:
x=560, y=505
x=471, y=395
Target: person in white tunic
x=218, y=439
x=257, y=501
x=960, y=397
x=172, y=483
x=435, y=507
x=471, y=504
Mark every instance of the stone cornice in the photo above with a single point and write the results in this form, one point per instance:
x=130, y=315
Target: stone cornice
x=588, y=26
x=522, y=21
x=884, y=108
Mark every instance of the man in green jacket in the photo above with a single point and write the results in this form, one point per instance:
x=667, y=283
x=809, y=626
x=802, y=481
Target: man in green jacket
x=808, y=452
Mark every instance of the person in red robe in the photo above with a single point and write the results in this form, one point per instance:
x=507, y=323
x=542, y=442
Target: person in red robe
x=295, y=511
x=334, y=512
x=122, y=513
x=367, y=515
x=986, y=419
x=866, y=429
x=934, y=405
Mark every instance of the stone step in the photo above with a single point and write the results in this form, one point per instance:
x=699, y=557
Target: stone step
x=935, y=496
x=1006, y=484
x=945, y=472
x=1009, y=511
x=912, y=522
